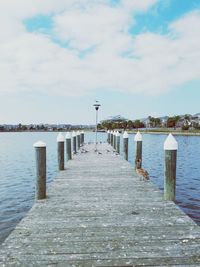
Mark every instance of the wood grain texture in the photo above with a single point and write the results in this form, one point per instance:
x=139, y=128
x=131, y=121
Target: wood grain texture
x=170, y=175
x=100, y=213
x=69, y=149
x=61, y=156
x=138, y=155
x=40, y=156
x=125, y=140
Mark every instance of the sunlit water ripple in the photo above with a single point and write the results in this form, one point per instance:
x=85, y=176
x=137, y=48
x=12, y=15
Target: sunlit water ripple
x=17, y=176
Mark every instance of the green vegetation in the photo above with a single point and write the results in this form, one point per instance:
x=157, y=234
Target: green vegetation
x=177, y=124
x=154, y=122
x=120, y=124
x=172, y=121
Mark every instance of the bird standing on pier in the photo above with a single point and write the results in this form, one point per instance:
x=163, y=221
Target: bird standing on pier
x=141, y=172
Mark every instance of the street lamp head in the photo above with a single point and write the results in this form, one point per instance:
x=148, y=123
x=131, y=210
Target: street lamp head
x=96, y=105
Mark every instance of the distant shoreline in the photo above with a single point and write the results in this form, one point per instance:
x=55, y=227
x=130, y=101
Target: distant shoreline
x=158, y=132
x=167, y=132
x=47, y=131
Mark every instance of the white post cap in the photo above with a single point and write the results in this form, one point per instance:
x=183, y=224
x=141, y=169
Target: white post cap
x=73, y=134
x=78, y=133
x=39, y=144
x=117, y=133
x=125, y=135
x=138, y=137
x=82, y=132
x=108, y=131
x=170, y=143
x=60, y=138
x=68, y=135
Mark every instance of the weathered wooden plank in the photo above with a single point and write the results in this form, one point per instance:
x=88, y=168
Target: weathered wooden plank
x=112, y=233
x=62, y=261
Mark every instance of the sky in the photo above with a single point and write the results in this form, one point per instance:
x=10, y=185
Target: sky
x=138, y=58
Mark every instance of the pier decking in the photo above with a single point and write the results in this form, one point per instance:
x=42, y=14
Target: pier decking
x=99, y=212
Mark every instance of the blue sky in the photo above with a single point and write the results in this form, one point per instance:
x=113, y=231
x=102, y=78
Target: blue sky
x=136, y=58
x=159, y=16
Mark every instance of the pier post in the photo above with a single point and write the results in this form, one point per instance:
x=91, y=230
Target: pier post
x=114, y=139
x=40, y=152
x=61, y=151
x=78, y=140
x=125, y=137
x=118, y=142
x=111, y=138
x=138, y=154
x=108, y=136
x=74, y=142
x=82, y=138
x=170, y=147
x=68, y=146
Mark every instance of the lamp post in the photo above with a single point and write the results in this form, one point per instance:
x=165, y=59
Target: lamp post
x=96, y=105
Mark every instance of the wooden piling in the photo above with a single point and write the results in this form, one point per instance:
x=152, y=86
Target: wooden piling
x=170, y=147
x=138, y=154
x=125, y=137
x=68, y=146
x=40, y=152
x=82, y=138
x=61, y=151
x=108, y=138
x=111, y=138
x=78, y=140
x=114, y=139
x=118, y=142
x=74, y=142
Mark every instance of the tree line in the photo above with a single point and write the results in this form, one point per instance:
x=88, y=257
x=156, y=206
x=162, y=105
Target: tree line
x=110, y=125
x=183, y=122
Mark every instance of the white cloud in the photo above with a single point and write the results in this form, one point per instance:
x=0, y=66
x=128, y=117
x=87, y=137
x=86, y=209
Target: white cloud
x=147, y=63
x=138, y=6
x=95, y=26
x=171, y=60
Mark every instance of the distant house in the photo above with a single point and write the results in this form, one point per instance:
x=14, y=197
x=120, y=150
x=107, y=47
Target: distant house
x=147, y=122
x=114, y=119
x=195, y=119
x=185, y=120
x=164, y=121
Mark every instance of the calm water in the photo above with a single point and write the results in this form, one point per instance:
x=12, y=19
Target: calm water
x=17, y=175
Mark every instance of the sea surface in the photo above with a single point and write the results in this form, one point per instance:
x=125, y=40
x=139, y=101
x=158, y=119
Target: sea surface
x=17, y=171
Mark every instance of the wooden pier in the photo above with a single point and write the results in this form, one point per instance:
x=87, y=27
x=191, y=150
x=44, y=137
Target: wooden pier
x=99, y=212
